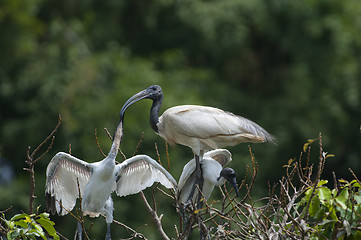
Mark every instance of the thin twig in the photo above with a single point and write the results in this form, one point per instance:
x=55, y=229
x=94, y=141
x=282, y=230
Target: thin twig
x=158, y=155
x=110, y=136
x=138, y=145
x=45, y=140
x=157, y=219
x=31, y=162
x=354, y=175
x=166, y=151
x=134, y=233
x=81, y=215
x=98, y=145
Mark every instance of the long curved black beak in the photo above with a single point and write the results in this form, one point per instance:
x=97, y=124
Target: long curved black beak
x=233, y=182
x=230, y=175
x=135, y=98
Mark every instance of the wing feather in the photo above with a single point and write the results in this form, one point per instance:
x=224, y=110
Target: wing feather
x=61, y=182
x=139, y=172
x=223, y=156
x=186, y=180
x=213, y=126
x=188, y=170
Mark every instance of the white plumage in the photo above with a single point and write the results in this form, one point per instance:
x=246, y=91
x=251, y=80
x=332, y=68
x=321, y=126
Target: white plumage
x=212, y=165
x=206, y=128
x=98, y=180
x=61, y=183
x=201, y=128
x=140, y=172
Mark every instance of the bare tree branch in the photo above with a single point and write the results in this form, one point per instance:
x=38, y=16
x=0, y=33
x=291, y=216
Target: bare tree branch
x=31, y=162
x=157, y=219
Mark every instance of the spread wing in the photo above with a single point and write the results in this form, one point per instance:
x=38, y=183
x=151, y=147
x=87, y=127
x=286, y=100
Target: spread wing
x=61, y=182
x=139, y=172
x=212, y=124
x=186, y=180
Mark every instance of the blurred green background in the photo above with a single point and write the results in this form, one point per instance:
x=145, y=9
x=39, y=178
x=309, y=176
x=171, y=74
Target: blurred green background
x=294, y=67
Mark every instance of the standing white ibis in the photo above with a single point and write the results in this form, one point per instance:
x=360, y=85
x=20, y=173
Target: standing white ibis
x=98, y=180
x=201, y=128
x=214, y=174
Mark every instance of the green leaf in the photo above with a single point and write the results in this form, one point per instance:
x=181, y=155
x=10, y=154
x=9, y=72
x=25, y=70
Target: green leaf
x=314, y=207
x=44, y=215
x=324, y=194
x=322, y=182
x=37, y=232
x=38, y=228
x=22, y=223
x=19, y=216
x=307, y=196
x=355, y=183
x=341, y=201
x=9, y=236
x=334, y=192
x=357, y=197
x=49, y=227
x=333, y=214
x=343, y=181
x=10, y=224
x=344, y=193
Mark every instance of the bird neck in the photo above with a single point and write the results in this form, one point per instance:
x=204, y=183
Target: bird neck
x=105, y=168
x=118, y=135
x=154, y=113
x=220, y=181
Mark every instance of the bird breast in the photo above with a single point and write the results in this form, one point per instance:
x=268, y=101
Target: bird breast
x=96, y=194
x=99, y=187
x=211, y=172
x=104, y=170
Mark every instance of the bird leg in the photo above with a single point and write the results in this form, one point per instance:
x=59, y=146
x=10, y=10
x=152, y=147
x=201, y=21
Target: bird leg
x=80, y=231
x=107, y=234
x=108, y=211
x=200, y=186
x=198, y=181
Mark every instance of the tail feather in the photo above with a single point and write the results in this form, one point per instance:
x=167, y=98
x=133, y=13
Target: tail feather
x=255, y=129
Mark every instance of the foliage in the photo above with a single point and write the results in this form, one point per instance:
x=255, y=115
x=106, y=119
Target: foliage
x=25, y=226
x=305, y=207
x=335, y=213
x=291, y=66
